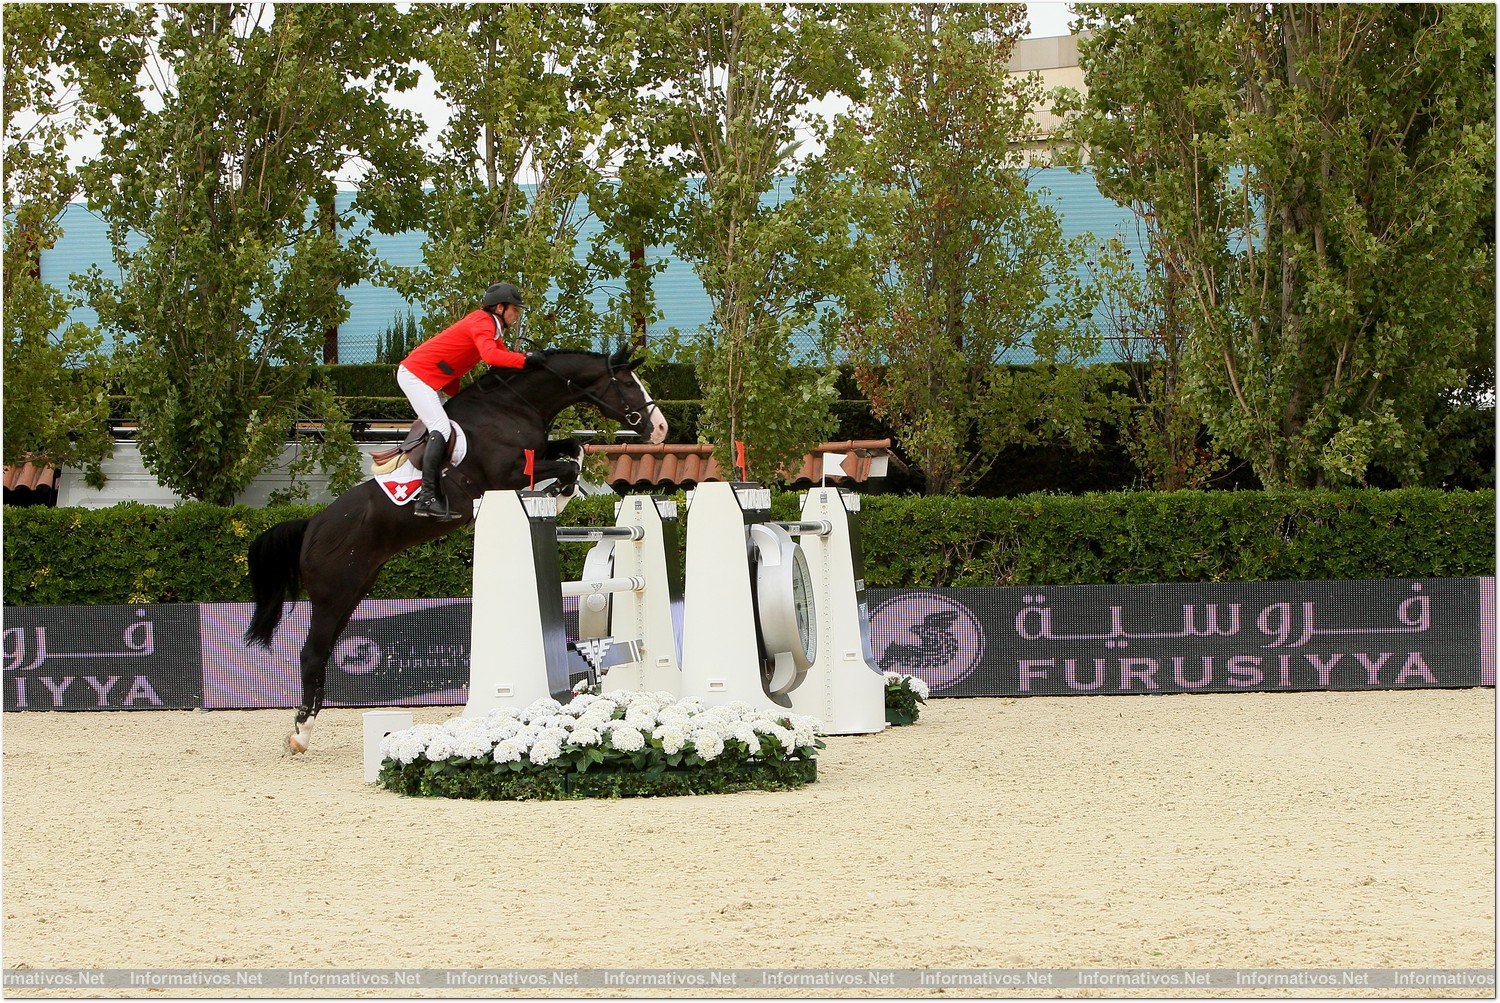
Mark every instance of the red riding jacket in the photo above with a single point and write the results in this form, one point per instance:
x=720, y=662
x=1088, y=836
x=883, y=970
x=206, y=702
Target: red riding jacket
x=443, y=359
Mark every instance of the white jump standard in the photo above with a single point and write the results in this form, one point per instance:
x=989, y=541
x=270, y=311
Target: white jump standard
x=519, y=651
x=779, y=626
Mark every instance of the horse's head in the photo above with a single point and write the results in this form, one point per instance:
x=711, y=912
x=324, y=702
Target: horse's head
x=613, y=387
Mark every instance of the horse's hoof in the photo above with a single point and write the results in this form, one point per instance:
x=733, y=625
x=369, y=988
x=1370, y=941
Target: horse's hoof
x=300, y=738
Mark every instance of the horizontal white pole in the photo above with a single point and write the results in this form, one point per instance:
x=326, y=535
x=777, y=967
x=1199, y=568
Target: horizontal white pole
x=632, y=583
x=591, y=534
x=818, y=527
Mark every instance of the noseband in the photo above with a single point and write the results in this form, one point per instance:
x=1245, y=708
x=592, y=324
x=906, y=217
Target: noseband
x=632, y=417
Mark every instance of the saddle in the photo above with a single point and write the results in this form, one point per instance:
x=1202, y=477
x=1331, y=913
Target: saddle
x=413, y=447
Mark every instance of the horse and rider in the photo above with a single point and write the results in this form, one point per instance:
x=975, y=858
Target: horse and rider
x=505, y=415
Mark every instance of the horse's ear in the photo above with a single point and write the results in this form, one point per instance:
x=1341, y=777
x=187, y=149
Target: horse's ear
x=624, y=358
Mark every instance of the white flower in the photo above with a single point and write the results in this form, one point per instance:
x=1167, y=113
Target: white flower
x=690, y=705
x=784, y=737
x=509, y=751
x=605, y=706
x=502, y=713
x=671, y=737
x=545, y=707
x=805, y=731
x=594, y=722
x=917, y=686
x=457, y=725
x=641, y=718
x=402, y=746
x=544, y=751
x=584, y=737
x=893, y=677
x=707, y=743
x=746, y=734
x=579, y=704
x=473, y=745
x=503, y=730
x=440, y=748
x=627, y=739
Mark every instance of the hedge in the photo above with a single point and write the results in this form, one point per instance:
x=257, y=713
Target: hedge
x=196, y=552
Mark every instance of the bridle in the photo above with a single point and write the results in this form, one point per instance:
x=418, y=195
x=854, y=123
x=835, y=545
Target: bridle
x=631, y=416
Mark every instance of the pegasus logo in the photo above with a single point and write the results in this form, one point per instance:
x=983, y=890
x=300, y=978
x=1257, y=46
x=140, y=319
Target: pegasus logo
x=927, y=635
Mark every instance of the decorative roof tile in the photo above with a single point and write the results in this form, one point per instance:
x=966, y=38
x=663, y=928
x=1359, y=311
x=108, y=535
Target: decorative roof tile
x=680, y=465
x=29, y=484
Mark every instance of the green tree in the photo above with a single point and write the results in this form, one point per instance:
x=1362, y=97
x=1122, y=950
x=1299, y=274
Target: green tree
x=535, y=94
x=56, y=73
x=965, y=264
x=1315, y=172
x=728, y=86
x=232, y=278
x=1142, y=307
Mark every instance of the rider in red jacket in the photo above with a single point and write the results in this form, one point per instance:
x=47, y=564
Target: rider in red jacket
x=435, y=367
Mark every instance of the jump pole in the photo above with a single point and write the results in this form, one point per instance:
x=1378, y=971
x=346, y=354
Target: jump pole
x=518, y=650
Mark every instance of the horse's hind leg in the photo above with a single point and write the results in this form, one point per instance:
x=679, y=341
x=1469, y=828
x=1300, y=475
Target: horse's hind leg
x=329, y=618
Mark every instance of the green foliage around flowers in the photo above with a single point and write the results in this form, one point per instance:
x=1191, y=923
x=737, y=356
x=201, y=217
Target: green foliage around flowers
x=196, y=552
x=902, y=698
x=483, y=781
x=619, y=744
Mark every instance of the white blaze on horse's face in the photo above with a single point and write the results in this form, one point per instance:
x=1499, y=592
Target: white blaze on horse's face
x=658, y=420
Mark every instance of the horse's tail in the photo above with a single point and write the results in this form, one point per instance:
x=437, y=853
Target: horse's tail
x=275, y=576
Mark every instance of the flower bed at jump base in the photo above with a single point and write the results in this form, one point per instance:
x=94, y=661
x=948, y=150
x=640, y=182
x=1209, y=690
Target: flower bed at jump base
x=621, y=744
x=902, y=694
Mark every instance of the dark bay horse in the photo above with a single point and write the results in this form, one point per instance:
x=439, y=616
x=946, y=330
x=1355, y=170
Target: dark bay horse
x=336, y=555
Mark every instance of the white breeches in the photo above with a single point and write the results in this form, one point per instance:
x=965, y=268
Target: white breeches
x=427, y=402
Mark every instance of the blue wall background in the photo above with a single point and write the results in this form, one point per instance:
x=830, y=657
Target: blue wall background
x=680, y=296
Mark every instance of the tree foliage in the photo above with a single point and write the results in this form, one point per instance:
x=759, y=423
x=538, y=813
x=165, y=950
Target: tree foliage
x=58, y=69
x=1322, y=180
x=229, y=278
x=535, y=95
x=1141, y=312
x=729, y=87
x=965, y=264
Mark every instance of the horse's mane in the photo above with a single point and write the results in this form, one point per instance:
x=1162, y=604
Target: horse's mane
x=495, y=377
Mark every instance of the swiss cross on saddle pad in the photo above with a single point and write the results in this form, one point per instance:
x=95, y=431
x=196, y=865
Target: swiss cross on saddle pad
x=402, y=484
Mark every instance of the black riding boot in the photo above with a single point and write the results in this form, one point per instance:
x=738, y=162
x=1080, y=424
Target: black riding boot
x=431, y=503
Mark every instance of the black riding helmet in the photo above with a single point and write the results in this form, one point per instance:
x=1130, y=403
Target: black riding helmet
x=501, y=292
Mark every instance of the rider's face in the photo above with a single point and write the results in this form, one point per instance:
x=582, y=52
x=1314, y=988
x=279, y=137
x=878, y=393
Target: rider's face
x=510, y=315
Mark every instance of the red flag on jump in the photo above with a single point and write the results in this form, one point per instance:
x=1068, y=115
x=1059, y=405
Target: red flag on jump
x=739, y=457
x=531, y=467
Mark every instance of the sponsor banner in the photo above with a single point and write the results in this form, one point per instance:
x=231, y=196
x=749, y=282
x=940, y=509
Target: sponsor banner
x=1073, y=640
x=394, y=652
x=1188, y=638
x=102, y=658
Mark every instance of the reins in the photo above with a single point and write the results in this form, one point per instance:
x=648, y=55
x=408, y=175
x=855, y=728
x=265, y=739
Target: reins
x=630, y=416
